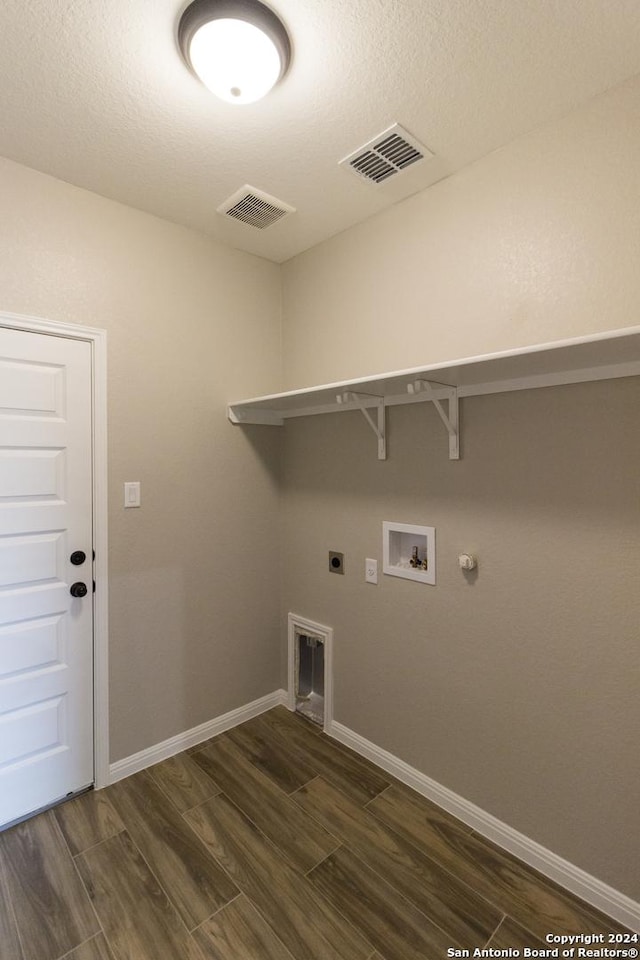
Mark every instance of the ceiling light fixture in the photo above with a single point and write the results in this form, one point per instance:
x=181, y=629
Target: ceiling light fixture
x=238, y=48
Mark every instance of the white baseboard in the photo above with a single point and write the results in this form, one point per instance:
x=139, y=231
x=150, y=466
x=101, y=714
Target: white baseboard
x=182, y=741
x=572, y=878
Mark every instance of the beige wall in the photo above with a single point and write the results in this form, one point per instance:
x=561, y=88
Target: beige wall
x=190, y=324
x=537, y=242
x=517, y=689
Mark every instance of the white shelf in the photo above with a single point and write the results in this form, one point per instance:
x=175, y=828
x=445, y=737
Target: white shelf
x=598, y=357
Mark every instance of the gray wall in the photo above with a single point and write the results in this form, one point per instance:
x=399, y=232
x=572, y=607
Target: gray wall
x=536, y=242
x=191, y=324
x=516, y=688
x=519, y=691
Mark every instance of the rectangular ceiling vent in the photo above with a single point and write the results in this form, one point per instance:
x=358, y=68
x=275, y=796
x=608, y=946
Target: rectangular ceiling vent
x=386, y=155
x=255, y=207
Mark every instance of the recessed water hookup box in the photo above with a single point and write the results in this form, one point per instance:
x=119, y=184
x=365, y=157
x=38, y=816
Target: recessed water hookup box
x=409, y=551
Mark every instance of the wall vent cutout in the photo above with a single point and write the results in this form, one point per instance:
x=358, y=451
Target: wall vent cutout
x=310, y=672
x=255, y=207
x=387, y=155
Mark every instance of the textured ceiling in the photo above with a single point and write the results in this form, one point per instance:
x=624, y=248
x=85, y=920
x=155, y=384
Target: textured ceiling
x=95, y=93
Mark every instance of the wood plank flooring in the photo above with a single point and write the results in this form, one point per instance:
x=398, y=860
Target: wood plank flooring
x=269, y=842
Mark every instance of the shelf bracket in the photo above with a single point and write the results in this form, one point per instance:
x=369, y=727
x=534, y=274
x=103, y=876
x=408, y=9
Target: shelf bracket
x=362, y=400
x=450, y=420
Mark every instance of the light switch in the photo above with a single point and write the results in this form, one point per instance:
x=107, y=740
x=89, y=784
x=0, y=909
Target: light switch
x=132, y=493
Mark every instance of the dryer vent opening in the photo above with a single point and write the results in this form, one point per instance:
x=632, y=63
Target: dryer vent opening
x=310, y=670
x=309, y=674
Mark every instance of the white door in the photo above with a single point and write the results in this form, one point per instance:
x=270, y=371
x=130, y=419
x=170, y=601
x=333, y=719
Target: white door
x=46, y=634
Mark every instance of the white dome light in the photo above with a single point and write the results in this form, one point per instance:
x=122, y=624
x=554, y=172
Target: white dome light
x=238, y=48
x=235, y=60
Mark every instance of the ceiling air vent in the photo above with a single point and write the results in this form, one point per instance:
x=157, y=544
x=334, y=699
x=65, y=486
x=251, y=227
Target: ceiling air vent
x=386, y=155
x=254, y=207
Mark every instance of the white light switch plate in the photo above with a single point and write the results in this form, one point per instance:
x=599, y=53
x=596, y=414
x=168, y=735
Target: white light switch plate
x=371, y=571
x=132, y=493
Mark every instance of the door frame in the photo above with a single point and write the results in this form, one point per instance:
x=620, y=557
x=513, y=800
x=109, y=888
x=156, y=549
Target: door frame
x=98, y=340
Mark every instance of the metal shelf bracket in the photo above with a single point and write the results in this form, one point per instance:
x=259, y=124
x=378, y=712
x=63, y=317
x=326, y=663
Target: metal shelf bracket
x=362, y=401
x=450, y=420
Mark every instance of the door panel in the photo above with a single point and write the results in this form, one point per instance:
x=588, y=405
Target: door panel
x=29, y=559
x=31, y=388
x=31, y=473
x=36, y=730
x=31, y=645
x=46, y=636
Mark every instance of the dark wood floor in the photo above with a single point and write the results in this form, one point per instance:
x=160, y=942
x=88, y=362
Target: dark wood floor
x=269, y=842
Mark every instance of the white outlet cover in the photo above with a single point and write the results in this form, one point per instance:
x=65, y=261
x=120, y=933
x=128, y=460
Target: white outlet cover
x=371, y=571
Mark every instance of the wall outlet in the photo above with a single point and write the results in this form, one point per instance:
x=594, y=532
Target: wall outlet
x=336, y=562
x=371, y=571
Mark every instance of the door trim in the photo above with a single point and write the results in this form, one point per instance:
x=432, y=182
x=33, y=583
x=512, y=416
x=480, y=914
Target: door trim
x=98, y=340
